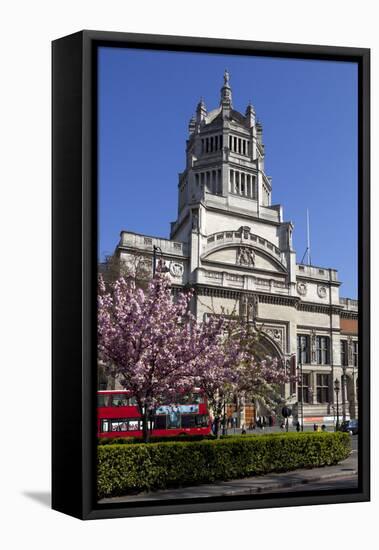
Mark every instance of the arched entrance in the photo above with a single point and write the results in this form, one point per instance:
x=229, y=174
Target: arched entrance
x=246, y=411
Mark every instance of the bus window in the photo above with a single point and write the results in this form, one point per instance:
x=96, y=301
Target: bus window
x=120, y=425
x=104, y=426
x=132, y=400
x=133, y=425
x=160, y=422
x=197, y=398
x=102, y=400
x=173, y=418
x=201, y=420
x=119, y=400
x=188, y=421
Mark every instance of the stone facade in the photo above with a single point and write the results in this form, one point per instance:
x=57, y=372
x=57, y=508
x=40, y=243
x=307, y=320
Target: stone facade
x=231, y=244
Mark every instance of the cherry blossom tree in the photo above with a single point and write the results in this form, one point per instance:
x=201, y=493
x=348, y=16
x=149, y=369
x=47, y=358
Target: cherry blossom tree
x=156, y=349
x=151, y=342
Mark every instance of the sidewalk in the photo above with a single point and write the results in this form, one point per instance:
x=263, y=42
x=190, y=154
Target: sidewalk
x=251, y=485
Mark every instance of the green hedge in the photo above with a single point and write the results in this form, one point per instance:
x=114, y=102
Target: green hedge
x=125, y=469
x=131, y=440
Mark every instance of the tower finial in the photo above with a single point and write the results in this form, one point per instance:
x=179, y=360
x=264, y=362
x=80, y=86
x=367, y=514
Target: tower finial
x=226, y=92
x=226, y=77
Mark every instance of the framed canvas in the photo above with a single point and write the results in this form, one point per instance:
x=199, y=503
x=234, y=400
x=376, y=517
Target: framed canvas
x=221, y=362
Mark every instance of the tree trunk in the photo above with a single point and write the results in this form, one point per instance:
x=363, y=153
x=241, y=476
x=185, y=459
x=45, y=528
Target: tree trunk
x=218, y=420
x=217, y=427
x=145, y=425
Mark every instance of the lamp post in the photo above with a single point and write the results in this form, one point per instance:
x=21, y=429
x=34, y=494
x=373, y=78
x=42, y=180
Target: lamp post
x=163, y=269
x=224, y=429
x=337, y=389
x=302, y=349
x=344, y=393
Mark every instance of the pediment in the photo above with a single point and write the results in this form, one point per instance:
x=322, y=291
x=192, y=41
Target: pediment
x=245, y=257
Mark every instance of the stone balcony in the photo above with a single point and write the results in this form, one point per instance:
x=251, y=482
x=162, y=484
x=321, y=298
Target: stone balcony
x=349, y=304
x=137, y=241
x=243, y=237
x=315, y=272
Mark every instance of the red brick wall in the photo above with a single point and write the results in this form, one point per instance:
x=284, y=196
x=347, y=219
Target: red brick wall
x=349, y=326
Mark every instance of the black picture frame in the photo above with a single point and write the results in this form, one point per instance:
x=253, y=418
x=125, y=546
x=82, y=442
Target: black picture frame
x=74, y=270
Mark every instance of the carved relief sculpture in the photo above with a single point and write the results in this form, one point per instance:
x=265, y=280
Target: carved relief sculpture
x=302, y=289
x=321, y=291
x=245, y=256
x=176, y=270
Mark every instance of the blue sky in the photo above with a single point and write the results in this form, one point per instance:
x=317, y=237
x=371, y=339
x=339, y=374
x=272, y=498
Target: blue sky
x=308, y=110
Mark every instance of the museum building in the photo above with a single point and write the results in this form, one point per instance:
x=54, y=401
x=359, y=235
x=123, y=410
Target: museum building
x=231, y=244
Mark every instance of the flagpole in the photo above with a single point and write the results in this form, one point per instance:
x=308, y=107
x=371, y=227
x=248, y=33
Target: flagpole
x=308, y=240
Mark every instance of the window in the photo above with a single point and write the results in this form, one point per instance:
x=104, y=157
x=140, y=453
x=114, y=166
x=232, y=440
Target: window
x=188, y=399
x=119, y=400
x=194, y=421
x=188, y=421
x=104, y=426
x=305, y=388
x=323, y=388
x=173, y=418
x=160, y=422
x=134, y=425
x=322, y=350
x=303, y=348
x=119, y=425
x=355, y=354
x=103, y=400
x=344, y=358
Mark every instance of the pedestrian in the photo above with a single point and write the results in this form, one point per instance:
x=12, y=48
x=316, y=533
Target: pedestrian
x=323, y=428
x=298, y=426
x=315, y=427
x=282, y=425
x=270, y=421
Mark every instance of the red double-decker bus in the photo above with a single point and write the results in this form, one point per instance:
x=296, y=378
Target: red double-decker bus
x=118, y=416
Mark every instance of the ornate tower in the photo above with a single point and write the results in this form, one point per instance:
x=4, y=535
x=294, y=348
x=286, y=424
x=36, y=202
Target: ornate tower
x=225, y=194
x=224, y=158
